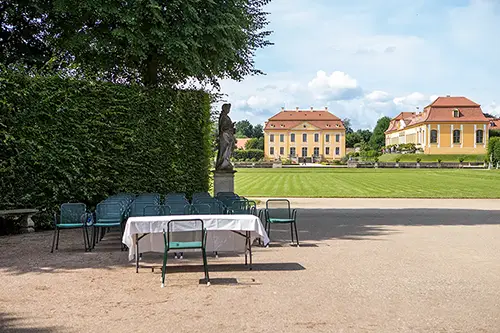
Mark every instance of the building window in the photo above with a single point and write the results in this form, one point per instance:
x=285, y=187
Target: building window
x=292, y=151
x=282, y=150
x=304, y=137
x=271, y=150
x=337, y=151
x=316, y=151
x=456, y=113
x=456, y=136
x=271, y=138
x=327, y=138
x=282, y=137
x=434, y=136
x=337, y=137
x=304, y=151
x=479, y=136
x=292, y=137
x=316, y=137
x=327, y=151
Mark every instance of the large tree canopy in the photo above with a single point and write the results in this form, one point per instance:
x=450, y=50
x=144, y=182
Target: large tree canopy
x=377, y=140
x=148, y=41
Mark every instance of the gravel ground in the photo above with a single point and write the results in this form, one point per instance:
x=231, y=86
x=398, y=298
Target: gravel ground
x=366, y=270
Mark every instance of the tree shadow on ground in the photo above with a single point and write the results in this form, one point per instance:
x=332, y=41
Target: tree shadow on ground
x=12, y=324
x=30, y=253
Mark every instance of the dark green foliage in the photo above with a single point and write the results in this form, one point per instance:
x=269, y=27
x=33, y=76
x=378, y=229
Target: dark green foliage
x=258, y=131
x=244, y=129
x=494, y=133
x=377, y=140
x=494, y=149
x=361, y=135
x=68, y=140
x=255, y=143
x=250, y=154
x=347, y=126
x=148, y=41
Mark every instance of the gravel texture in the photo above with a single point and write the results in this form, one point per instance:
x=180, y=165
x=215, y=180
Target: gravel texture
x=364, y=270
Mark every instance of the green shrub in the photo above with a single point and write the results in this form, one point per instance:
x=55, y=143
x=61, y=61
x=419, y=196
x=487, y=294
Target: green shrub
x=439, y=160
x=494, y=149
x=461, y=159
x=248, y=155
x=63, y=139
x=398, y=159
x=419, y=159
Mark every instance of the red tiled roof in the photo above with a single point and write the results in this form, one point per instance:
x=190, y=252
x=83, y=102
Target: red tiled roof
x=442, y=110
x=286, y=120
x=304, y=115
x=240, y=143
x=495, y=124
x=455, y=102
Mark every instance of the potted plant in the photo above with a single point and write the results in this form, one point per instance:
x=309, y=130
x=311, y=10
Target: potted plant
x=439, y=162
x=397, y=161
x=376, y=161
x=418, y=162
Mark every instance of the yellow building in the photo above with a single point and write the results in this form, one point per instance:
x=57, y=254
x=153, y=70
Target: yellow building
x=314, y=135
x=449, y=125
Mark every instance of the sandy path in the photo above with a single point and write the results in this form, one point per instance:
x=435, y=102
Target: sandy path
x=357, y=271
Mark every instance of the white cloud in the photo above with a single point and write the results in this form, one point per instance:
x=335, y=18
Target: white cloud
x=413, y=99
x=336, y=86
x=378, y=96
x=493, y=108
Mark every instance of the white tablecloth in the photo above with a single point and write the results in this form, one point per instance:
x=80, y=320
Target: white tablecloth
x=220, y=235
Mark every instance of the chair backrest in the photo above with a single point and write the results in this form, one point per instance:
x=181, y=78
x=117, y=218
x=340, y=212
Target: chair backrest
x=185, y=231
x=203, y=209
x=109, y=211
x=279, y=208
x=156, y=210
x=73, y=213
x=178, y=208
x=239, y=207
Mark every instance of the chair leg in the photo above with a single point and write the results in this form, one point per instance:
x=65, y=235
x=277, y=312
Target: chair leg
x=88, y=238
x=121, y=236
x=54, y=240
x=57, y=241
x=164, y=269
x=291, y=231
x=84, y=238
x=205, y=266
x=296, y=233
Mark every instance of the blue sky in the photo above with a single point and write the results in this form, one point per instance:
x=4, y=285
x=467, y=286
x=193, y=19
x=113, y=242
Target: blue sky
x=368, y=58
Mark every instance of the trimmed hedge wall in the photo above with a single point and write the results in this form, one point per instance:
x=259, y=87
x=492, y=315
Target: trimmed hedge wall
x=248, y=154
x=65, y=140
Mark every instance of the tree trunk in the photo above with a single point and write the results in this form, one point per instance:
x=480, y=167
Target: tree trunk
x=150, y=76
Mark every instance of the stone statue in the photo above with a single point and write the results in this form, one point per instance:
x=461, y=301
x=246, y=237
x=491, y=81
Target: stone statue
x=226, y=140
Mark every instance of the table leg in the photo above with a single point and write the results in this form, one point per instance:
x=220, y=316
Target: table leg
x=250, y=247
x=136, y=253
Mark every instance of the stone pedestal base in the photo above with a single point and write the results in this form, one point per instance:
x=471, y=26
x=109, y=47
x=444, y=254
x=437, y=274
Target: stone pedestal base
x=223, y=181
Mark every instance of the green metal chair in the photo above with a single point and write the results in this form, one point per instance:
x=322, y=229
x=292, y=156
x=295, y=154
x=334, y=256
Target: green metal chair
x=72, y=216
x=108, y=215
x=278, y=211
x=183, y=235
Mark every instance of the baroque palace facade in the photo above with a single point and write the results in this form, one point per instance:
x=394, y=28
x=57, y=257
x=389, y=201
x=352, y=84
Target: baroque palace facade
x=313, y=135
x=449, y=125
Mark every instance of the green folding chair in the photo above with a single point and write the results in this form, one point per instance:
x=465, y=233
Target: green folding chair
x=278, y=211
x=183, y=235
x=72, y=216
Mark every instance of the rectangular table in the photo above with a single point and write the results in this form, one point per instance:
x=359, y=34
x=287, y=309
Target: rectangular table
x=147, y=231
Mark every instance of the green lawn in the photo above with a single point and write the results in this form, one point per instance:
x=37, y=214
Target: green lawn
x=430, y=158
x=370, y=183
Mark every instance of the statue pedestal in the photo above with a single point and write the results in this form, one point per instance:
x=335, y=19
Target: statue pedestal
x=223, y=181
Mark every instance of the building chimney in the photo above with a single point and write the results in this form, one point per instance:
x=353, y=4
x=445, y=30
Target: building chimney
x=448, y=96
x=282, y=108
x=326, y=108
x=297, y=108
x=312, y=108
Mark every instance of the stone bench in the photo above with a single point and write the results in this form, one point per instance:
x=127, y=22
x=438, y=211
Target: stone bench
x=27, y=224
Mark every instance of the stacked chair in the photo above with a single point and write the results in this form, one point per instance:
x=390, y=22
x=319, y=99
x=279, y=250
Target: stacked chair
x=111, y=213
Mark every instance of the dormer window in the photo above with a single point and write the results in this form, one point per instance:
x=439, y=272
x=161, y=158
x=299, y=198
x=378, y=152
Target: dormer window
x=456, y=113
x=337, y=125
x=328, y=125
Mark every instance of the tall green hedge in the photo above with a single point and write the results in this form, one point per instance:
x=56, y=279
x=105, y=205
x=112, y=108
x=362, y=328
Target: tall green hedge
x=494, y=149
x=67, y=140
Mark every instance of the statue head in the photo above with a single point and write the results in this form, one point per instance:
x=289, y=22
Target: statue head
x=226, y=107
